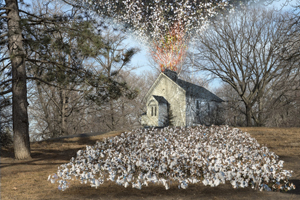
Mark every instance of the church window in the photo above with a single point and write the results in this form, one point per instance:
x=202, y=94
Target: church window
x=202, y=105
x=153, y=108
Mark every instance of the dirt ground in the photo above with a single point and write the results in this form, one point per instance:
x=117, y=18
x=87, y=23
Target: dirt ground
x=28, y=179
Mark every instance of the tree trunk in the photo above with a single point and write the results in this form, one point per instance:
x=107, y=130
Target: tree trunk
x=63, y=112
x=0, y=116
x=123, y=116
x=248, y=115
x=234, y=121
x=19, y=89
x=45, y=109
x=260, y=113
x=112, y=115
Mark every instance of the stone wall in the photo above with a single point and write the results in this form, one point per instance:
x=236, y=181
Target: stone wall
x=175, y=96
x=151, y=120
x=162, y=114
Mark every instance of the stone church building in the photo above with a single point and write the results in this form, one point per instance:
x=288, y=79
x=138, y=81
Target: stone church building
x=171, y=100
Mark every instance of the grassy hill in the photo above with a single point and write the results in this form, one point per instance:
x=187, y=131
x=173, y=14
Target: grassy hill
x=28, y=179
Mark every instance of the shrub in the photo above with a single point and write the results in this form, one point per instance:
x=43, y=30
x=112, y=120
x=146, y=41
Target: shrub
x=5, y=138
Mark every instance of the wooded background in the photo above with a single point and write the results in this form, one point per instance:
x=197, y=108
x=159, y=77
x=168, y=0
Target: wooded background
x=64, y=71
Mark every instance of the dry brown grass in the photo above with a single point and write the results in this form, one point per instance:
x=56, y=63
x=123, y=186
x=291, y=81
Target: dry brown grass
x=28, y=179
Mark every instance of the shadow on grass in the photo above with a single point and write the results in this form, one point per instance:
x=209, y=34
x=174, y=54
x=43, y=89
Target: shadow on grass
x=296, y=182
x=47, y=151
x=194, y=191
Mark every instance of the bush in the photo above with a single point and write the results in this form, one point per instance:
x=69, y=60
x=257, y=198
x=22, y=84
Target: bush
x=5, y=138
x=213, y=156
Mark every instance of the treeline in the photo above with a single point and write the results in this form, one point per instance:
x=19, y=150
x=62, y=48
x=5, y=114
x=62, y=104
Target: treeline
x=78, y=74
x=63, y=71
x=256, y=53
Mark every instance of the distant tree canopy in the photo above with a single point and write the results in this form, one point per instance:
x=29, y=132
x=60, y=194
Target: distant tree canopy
x=49, y=48
x=254, y=51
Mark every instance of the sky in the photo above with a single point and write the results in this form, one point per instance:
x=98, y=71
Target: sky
x=142, y=58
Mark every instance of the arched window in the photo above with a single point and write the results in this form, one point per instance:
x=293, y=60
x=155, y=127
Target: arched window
x=153, y=108
x=201, y=105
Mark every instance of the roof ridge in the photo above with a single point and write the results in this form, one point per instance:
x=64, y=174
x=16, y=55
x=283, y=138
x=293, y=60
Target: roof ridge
x=191, y=83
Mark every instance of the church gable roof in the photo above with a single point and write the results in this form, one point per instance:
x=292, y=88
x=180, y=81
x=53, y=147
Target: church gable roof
x=161, y=76
x=197, y=91
x=190, y=89
x=160, y=99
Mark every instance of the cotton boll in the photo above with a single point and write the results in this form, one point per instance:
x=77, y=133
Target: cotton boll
x=95, y=183
x=126, y=184
x=194, y=180
x=201, y=156
x=167, y=186
x=52, y=180
x=138, y=185
x=205, y=182
x=216, y=182
x=183, y=185
x=234, y=184
x=49, y=178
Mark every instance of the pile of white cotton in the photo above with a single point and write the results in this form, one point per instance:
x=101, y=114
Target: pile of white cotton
x=211, y=155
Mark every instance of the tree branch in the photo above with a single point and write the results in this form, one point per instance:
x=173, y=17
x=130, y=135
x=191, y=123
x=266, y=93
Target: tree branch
x=50, y=62
x=32, y=15
x=2, y=13
x=5, y=8
x=5, y=67
x=6, y=92
x=3, y=59
x=5, y=82
x=3, y=35
x=53, y=85
x=41, y=19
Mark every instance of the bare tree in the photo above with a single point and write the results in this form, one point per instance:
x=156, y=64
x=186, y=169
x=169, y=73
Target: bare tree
x=23, y=42
x=245, y=50
x=126, y=111
x=57, y=112
x=286, y=114
x=17, y=54
x=114, y=59
x=233, y=108
x=195, y=78
x=56, y=102
x=280, y=114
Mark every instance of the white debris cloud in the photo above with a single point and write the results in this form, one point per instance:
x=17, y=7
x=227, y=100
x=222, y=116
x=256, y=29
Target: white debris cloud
x=150, y=20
